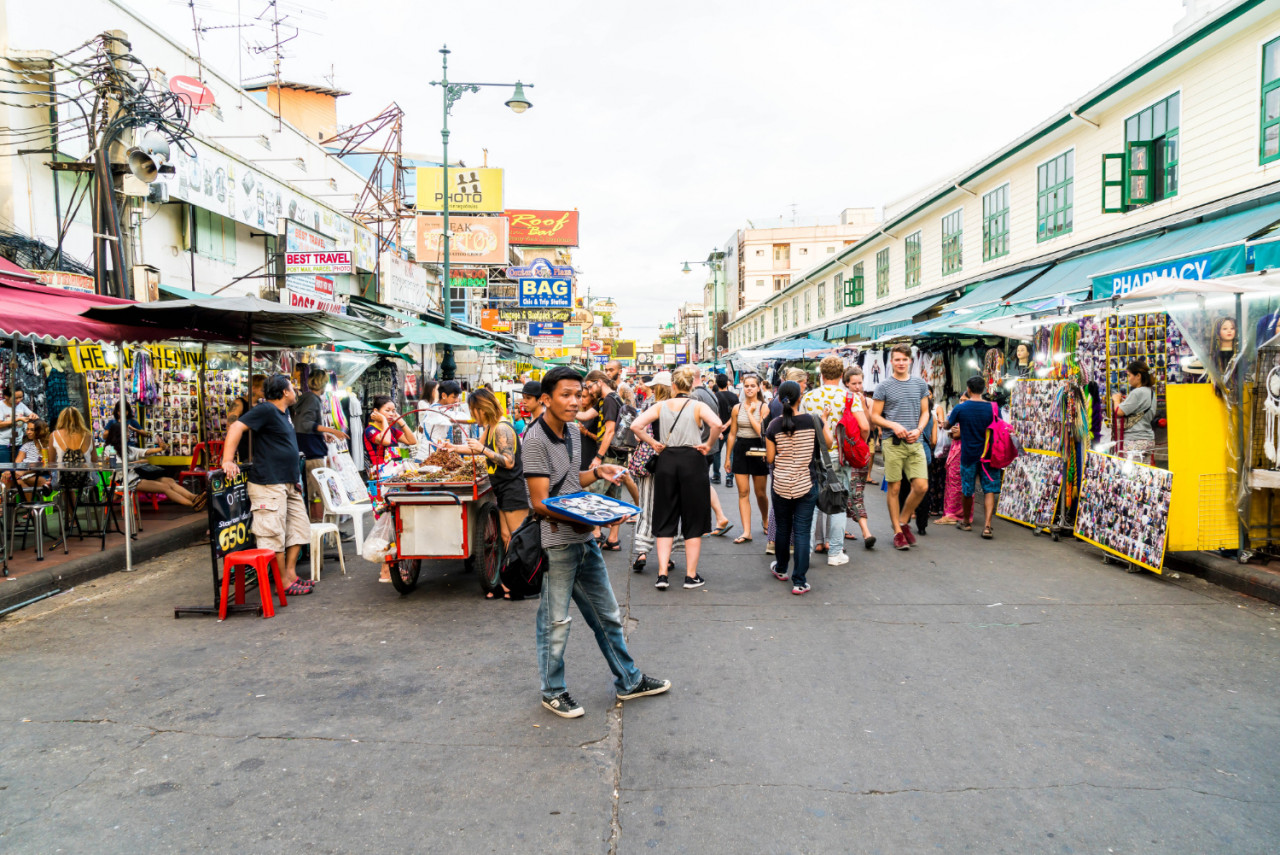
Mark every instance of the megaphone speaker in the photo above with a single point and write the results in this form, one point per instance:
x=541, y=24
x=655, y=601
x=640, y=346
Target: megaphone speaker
x=145, y=160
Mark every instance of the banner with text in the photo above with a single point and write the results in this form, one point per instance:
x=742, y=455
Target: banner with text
x=476, y=240
x=535, y=314
x=473, y=191
x=543, y=228
x=468, y=277
x=404, y=285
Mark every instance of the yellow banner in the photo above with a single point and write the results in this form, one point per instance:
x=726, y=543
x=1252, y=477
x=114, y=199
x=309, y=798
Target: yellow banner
x=470, y=190
x=89, y=357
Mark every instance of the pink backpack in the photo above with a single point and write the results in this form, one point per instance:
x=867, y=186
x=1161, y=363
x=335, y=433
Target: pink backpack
x=1001, y=448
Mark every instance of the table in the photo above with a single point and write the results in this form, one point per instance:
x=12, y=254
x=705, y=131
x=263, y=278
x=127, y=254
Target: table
x=114, y=470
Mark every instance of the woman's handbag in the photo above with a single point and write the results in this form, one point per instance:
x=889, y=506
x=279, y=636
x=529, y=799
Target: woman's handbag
x=148, y=471
x=651, y=465
x=833, y=493
x=637, y=463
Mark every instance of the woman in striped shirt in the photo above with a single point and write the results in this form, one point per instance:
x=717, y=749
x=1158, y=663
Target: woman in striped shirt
x=790, y=448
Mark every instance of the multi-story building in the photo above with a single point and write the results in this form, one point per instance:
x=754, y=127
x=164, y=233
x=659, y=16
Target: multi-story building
x=1170, y=166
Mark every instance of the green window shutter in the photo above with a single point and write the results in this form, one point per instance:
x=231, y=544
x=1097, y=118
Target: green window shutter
x=1113, y=183
x=228, y=240
x=208, y=243
x=859, y=291
x=1140, y=173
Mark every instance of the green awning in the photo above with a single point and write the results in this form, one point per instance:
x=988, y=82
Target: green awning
x=986, y=294
x=433, y=334
x=368, y=347
x=877, y=324
x=836, y=331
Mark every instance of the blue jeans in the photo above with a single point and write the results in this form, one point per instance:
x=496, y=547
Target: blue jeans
x=795, y=516
x=6, y=454
x=715, y=460
x=577, y=571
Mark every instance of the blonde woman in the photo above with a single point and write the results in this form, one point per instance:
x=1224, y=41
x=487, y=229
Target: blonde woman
x=73, y=446
x=746, y=434
x=682, y=488
x=643, y=542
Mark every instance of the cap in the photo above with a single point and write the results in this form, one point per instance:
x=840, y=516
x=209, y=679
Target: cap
x=662, y=378
x=533, y=389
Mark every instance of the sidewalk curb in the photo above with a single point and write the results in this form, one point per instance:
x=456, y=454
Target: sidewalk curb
x=1229, y=573
x=80, y=570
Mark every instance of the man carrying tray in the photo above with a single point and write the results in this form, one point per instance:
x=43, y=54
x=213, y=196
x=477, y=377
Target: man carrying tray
x=575, y=567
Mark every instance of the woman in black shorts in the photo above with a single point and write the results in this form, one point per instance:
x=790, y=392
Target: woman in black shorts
x=746, y=429
x=500, y=447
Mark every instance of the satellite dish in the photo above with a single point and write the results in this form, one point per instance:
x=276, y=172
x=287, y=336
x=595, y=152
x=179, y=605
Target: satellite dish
x=146, y=159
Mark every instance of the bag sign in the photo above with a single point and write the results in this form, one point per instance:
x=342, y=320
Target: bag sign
x=549, y=293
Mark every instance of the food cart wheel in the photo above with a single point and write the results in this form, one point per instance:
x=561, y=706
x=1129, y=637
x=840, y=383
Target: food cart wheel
x=404, y=574
x=486, y=548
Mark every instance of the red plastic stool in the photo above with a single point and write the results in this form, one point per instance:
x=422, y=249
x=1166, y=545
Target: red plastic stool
x=264, y=562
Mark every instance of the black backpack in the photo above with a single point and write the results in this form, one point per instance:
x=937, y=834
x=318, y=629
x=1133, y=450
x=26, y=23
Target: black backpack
x=624, y=438
x=526, y=560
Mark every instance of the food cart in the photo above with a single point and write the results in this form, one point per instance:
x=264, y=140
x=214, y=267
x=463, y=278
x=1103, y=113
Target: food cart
x=444, y=509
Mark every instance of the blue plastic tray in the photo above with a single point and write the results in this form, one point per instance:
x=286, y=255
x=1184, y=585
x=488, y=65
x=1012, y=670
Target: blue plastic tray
x=620, y=508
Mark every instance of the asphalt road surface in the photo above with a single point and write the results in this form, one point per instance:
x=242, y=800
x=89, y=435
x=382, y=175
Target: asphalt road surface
x=1012, y=696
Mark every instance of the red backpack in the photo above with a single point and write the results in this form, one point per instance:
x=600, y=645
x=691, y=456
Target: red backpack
x=1001, y=448
x=854, y=450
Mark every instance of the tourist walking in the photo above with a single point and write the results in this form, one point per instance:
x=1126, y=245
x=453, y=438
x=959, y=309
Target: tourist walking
x=901, y=408
x=575, y=568
x=643, y=541
x=974, y=416
x=790, y=447
x=681, y=490
x=699, y=392
x=800, y=378
x=827, y=403
x=856, y=401
x=745, y=455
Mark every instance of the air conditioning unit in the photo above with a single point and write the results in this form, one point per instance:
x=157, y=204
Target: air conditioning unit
x=159, y=193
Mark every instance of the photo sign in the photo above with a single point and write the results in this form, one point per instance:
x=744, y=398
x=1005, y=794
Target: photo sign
x=475, y=240
x=1124, y=508
x=1031, y=489
x=471, y=190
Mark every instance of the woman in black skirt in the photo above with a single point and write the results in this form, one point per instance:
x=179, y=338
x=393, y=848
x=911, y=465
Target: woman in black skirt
x=681, y=486
x=500, y=448
x=746, y=431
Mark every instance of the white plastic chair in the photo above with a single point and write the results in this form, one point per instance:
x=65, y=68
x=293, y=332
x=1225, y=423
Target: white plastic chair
x=335, y=507
x=319, y=531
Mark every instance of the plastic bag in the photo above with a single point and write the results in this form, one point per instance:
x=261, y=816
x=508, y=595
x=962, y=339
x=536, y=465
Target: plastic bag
x=378, y=543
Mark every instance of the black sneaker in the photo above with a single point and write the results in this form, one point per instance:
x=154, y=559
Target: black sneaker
x=646, y=686
x=564, y=706
x=662, y=582
x=694, y=581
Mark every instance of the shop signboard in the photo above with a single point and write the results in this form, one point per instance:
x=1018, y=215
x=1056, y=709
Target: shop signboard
x=302, y=241
x=314, y=301
x=573, y=336
x=217, y=182
x=539, y=330
x=624, y=349
x=543, y=228
x=682, y=358
x=546, y=340
x=230, y=515
x=472, y=191
x=90, y=357
x=475, y=240
x=330, y=262
x=404, y=285
x=644, y=360
x=64, y=281
x=492, y=321
x=468, y=277
x=1191, y=269
x=545, y=293
x=540, y=269
x=595, y=346
x=514, y=314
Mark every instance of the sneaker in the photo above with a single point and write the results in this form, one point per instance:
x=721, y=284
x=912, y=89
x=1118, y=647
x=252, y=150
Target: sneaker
x=781, y=577
x=646, y=686
x=768, y=548
x=837, y=560
x=900, y=541
x=694, y=581
x=802, y=588
x=911, y=538
x=564, y=706
x=870, y=542
x=662, y=583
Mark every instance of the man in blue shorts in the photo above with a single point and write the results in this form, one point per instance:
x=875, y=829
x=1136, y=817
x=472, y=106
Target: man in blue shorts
x=974, y=416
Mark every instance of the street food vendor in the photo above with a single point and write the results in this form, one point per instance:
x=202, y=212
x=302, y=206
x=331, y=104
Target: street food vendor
x=385, y=429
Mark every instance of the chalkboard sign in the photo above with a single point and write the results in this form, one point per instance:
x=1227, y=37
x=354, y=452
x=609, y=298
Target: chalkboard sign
x=230, y=516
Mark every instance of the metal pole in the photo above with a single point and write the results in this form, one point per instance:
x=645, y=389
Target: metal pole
x=446, y=291
x=1244, y=505
x=13, y=393
x=126, y=508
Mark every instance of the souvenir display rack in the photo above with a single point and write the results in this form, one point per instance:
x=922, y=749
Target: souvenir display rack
x=1140, y=336
x=1124, y=509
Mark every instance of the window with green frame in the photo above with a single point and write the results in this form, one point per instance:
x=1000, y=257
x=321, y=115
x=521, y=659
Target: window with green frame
x=795, y=312
x=953, y=242
x=856, y=272
x=1055, y=196
x=1270, y=142
x=853, y=289
x=822, y=299
x=882, y=272
x=911, y=259
x=807, y=313
x=995, y=223
x=215, y=235
x=776, y=328
x=1151, y=152
x=784, y=317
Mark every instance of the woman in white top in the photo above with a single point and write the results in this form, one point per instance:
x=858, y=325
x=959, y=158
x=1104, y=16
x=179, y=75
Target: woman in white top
x=169, y=487
x=746, y=435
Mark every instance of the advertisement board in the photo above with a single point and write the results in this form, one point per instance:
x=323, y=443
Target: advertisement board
x=329, y=263
x=476, y=240
x=473, y=191
x=543, y=228
x=64, y=281
x=545, y=293
x=573, y=336
x=535, y=314
x=404, y=285
x=467, y=277
x=492, y=321
x=299, y=240
x=547, y=329
x=314, y=301
x=540, y=269
x=624, y=349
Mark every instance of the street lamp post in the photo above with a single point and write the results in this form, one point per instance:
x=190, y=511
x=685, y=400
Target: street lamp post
x=713, y=263
x=451, y=92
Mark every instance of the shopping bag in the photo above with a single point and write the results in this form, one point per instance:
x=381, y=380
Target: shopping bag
x=378, y=544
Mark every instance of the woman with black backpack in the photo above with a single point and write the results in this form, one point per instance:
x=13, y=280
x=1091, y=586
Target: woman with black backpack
x=791, y=449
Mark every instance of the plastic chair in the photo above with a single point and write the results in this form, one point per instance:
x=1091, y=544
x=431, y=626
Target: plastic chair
x=335, y=507
x=204, y=457
x=319, y=531
x=34, y=514
x=263, y=561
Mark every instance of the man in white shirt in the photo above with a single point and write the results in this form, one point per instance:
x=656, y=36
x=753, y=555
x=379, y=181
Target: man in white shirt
x=437, y=420
x=12, y=410
x=827, y=403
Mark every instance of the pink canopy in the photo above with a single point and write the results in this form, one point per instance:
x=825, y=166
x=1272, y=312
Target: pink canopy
x=30, y=310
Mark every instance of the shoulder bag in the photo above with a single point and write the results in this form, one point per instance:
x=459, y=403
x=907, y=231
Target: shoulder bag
x=833, y=493
x=526, y=560
x=652, y=463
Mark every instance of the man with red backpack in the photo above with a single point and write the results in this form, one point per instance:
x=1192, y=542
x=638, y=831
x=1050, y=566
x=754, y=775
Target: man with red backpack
x=975, y=417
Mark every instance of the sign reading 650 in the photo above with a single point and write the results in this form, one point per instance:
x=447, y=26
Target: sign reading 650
x=232, y=537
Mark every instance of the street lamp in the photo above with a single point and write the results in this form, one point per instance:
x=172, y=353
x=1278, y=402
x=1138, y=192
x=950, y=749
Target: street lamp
x=713, y=263
x=451, y=92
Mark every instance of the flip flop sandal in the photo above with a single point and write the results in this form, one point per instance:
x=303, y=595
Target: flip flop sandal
x=721, y=531
x=640, y=562
x=965, y=527
x=821, y=549
x=297, y=589
x=848, y=536
x=743, y=539
x=987, y=533
x=611, y=546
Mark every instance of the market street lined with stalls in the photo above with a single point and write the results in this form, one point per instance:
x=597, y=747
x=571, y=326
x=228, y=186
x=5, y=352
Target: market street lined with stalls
x=1019, y=692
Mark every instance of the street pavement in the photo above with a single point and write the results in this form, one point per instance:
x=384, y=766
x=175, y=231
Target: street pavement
x=1012, y=696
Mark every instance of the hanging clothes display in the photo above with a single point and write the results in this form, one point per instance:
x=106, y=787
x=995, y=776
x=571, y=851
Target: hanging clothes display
x=28, y=377
x=56, y=381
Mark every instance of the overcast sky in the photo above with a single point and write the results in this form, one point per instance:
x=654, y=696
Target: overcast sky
x=668, y=124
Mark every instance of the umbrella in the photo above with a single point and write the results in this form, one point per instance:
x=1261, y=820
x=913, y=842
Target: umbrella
x=244, y=319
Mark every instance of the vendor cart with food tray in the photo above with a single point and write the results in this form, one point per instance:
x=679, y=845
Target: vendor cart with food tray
x=444, y=508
